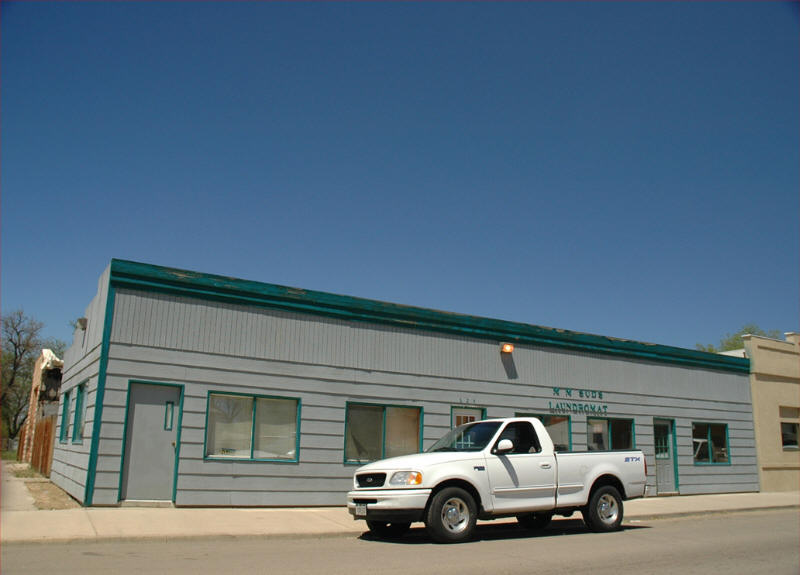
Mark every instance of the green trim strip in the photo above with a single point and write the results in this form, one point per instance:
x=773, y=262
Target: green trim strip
x=187, y=283
x=99, y=397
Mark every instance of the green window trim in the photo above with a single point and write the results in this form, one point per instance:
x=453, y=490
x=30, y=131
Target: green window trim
x=384, y=407
x=543, y=417
x=64, y=431
x=453, y=408
x=252, y=458
x=77, y=421
x=609, y=421
x=696, y=450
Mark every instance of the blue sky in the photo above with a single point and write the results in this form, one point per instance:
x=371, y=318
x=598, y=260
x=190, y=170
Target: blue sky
x=624, y=169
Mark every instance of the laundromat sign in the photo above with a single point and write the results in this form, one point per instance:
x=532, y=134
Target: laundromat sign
x=568, y=400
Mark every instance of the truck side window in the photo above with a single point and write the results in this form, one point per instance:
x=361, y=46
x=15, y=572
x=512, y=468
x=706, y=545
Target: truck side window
x=523, y=436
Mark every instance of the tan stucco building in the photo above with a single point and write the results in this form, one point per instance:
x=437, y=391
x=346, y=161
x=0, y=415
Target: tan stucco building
x=775, y=387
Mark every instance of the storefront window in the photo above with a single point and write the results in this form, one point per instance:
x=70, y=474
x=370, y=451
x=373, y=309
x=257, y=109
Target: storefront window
x=609, y=434
x=558, y=426
x=251, y=427
x=374, y=432
x=710, y=443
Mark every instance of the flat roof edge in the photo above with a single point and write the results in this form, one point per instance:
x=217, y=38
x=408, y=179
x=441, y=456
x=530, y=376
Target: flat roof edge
x=177, y=281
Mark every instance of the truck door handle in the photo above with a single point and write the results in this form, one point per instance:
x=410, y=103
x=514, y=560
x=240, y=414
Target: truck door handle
x=545, y=465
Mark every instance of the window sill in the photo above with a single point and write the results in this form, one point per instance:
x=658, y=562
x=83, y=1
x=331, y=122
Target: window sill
x=247, y=460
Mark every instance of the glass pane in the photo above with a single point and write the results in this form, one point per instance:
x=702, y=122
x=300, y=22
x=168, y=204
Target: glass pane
x=402, y=431
x=462, y=415
x=719, y=443
x=471, y=437
x=700, y=441
x=789, y=434
x=597, y=434
x=558, y=428
x=621, y=434
x=364, y=433
x=662, y=440
x=523, y=436
x=230, y=423
x=276, y=429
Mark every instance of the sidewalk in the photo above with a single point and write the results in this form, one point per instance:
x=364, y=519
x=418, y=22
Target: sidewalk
x=21, y=523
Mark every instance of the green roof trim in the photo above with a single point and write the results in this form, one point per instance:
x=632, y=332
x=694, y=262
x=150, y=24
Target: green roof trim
x=182, y=282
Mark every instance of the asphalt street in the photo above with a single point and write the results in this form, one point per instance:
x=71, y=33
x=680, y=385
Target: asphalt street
x=727, y=543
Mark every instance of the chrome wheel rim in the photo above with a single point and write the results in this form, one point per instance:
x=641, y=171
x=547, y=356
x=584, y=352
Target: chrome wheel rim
x=607, y=509
x=455, y=515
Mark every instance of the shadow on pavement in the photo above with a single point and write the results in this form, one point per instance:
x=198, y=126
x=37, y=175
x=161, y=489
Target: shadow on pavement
x=498, y=532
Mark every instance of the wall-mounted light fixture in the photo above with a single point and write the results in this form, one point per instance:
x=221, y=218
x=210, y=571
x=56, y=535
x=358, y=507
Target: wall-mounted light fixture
x=506, y=347
x=82, y=323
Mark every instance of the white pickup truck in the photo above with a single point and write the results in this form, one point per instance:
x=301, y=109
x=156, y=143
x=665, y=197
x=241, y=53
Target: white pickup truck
x=491, y=469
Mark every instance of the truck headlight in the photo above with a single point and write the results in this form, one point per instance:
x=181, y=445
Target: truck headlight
x=406, y=478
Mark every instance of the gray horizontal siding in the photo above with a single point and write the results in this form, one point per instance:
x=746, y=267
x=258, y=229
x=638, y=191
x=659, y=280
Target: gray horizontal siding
x=209, y=346
x=324, y=391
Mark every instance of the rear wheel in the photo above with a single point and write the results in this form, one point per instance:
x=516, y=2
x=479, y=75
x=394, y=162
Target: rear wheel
x=535, y=521
x=451, y=516
x=604, y=511
x=388, y=530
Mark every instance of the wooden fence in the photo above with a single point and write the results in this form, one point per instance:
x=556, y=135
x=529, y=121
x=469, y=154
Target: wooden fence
x=42, y=450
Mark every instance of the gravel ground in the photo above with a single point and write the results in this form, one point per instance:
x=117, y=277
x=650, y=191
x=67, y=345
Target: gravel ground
x=46, y=494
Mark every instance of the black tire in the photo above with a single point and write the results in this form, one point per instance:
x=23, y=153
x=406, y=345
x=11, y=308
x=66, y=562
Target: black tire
x=604, y=511
x=535, y=521
x=386, y=530
x=451, y=516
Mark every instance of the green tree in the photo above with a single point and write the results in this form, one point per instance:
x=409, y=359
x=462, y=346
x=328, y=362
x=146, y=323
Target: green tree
x=734, y=340
x=21, y=345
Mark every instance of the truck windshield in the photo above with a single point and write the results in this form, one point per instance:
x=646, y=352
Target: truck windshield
x=468, y=437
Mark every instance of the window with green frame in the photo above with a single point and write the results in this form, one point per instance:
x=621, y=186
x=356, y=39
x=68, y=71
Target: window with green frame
x=77, y=422
x=558, y=426
x=64, y=432
x=375, y=432
x=609, y=434
x=459, y=415
x=710, y=443
x=251, y=427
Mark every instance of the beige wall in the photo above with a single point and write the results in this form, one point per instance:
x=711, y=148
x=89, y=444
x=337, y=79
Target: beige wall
x=775, y=384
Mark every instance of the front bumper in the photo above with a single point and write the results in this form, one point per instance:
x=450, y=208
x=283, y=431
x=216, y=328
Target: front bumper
x=390, y=505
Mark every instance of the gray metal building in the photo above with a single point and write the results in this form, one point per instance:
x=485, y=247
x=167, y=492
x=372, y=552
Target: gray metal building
x=206, y=390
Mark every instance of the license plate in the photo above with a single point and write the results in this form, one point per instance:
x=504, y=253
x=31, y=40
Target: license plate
x=361, y=509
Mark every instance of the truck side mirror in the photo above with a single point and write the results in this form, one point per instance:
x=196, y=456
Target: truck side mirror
x=504, y=446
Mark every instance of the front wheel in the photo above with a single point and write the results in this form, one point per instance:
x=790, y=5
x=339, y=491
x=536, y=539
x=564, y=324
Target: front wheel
x=451, y=516
x=386, y=530
x=604, y=511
